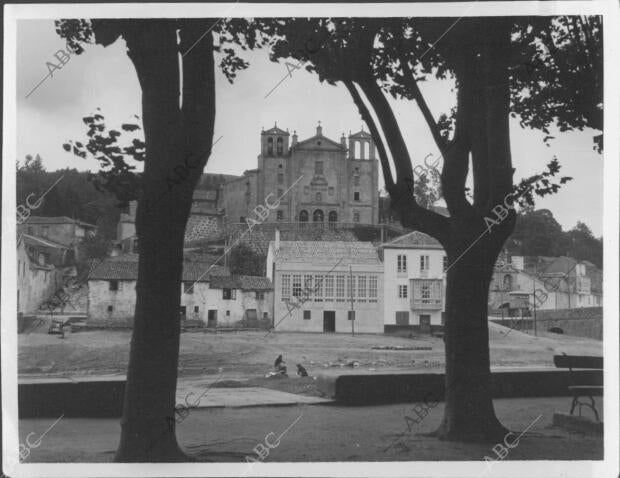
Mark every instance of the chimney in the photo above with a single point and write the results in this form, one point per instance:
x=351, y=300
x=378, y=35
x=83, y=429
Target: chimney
x=294, y=139
x=277, y=241
x=343, y=141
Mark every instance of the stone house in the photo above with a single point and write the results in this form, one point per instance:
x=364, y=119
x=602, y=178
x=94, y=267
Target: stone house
x=62, y=230
x=414, y=284
x=39, y=271
x=319, y=286
x=208, y=294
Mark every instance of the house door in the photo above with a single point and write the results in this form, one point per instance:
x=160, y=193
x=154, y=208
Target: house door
x=183, y=312
x=329, y=321
x=212, y=318
x=425, y=324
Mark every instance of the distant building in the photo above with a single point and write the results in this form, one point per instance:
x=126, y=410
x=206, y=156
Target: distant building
x=39, y=271
x=317, y=180
x=549, y=282
x=208, y=293
x=62, y=229
x=205, y=221
x=318, y=283
x=414, y=284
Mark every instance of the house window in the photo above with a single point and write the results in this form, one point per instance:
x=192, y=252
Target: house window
x=270, y=146
x=196, y=309
x=361, y=288
x=401, y=263
x=356, y=217
x=260, y=295
x=445, y=263
x=307, y=315
x=424, y=263
x=333, y=217
x=241, y=218
x=318, y=216
x=372, y=289
x=135, y=245
x=286, y=286
x=339, y=288
x=110, y=308
x=303, y=216
x=329, y=288
x=402, y=291
x=356, y=180
x=427, y=293
x=188, y=288
x=350, y=287
x=356, y=196
x=319, y=197
x=280, y=178
x=46, y=231
x=350, y=315
x=228, y=313
x=113, y=285
x=318, y=288
x=330, y=191
x=279, y=147
x=318, y=168
x=279, y=215
x=507, y=282
x=41, y=259
x=183, y=312
x=296, y=285
x=279, y=166
x=229, y=294
x=307, y=285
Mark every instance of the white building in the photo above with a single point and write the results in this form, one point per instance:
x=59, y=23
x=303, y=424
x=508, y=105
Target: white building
x=414, y=284
x=318, y=283
x=208, y=294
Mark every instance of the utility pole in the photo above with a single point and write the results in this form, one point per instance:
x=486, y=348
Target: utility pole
x=352, y=312
x=534, y=295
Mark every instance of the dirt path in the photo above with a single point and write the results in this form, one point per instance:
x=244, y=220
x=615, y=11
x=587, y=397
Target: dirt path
x=248, y=355
x=324, y=433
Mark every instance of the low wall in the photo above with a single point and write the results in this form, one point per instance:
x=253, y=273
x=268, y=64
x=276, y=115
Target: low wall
x=409, y=330
x=372, y=389
x=582, y=322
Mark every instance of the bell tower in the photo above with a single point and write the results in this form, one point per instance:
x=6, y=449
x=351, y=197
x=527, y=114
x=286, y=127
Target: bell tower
x=274, y=142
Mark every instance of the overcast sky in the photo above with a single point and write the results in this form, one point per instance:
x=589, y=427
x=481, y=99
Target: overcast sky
x=106, y=78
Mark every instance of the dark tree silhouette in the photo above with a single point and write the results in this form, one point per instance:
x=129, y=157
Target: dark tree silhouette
x=178, y=121
x=485, y=57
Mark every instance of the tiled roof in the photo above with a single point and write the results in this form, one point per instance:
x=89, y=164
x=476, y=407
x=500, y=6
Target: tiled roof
x=328, y=251
x=37, y=241
x=414, y=240
x=241, y=282
x=57, y=220
x=125, y=267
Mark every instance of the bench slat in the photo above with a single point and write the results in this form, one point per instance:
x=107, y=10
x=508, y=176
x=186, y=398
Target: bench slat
x=578, y=361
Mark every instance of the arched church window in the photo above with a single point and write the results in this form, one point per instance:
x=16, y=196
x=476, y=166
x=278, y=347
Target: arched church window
x=318, y=216
x=270, y=146
x=280, y=147
x=333, y=217
x=303, y=216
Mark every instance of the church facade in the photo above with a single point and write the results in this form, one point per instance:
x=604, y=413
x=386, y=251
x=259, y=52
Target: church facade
x=315, y=180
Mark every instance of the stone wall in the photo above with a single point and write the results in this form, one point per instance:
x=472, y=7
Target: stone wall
x=579, y=322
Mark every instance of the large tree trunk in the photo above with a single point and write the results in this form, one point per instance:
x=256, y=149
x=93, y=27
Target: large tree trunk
x=171, y=135
x=469, y=414
x=478, y=51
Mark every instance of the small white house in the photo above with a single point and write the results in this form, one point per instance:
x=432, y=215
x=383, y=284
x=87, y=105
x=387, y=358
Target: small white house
x=414, y=284
x=326, y=286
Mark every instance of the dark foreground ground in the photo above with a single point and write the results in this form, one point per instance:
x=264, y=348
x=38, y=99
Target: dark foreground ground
x=324, y=433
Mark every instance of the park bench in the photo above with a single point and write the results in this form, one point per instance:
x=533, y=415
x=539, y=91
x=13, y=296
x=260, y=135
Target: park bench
x=577, y=387
x=57, y=327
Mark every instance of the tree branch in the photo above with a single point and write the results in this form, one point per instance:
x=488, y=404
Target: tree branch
x=419, y=98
